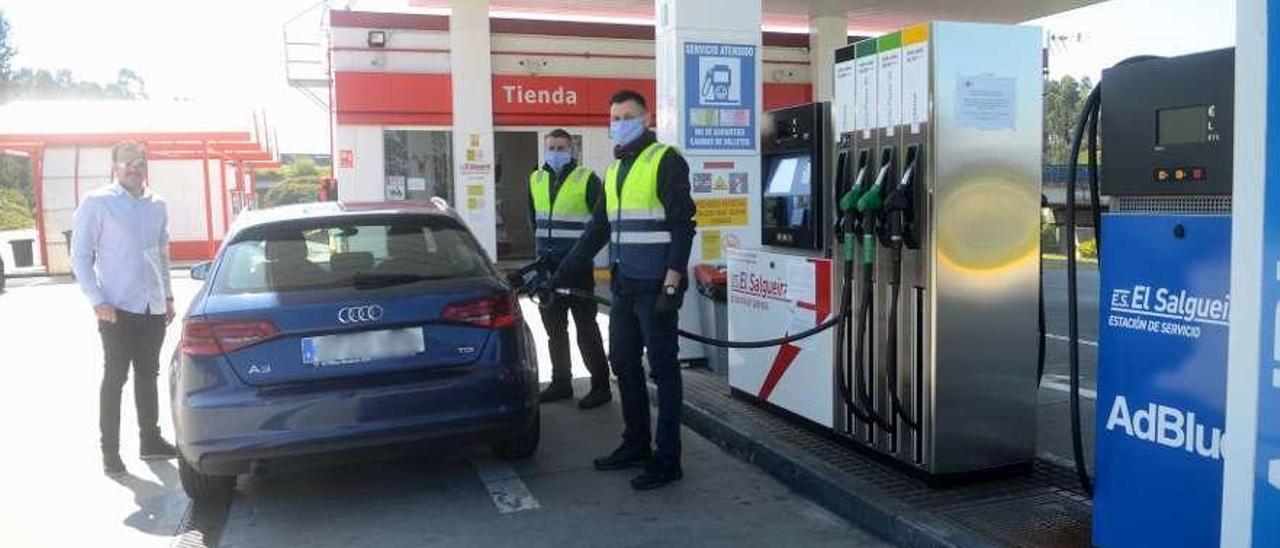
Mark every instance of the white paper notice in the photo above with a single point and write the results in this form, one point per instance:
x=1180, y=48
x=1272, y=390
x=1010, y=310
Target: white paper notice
x=915, y=85
x=986, y=102
x=800, y=278
x=417, y=183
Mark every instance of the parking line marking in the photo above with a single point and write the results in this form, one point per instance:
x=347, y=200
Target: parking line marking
x=508, y=491
x=1064, y=338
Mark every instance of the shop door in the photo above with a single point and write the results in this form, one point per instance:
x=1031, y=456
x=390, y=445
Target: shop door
x=516, y=156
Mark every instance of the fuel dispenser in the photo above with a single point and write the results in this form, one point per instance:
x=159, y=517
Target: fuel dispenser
x=787, y=287
x=1165, y=282
x=938, y=198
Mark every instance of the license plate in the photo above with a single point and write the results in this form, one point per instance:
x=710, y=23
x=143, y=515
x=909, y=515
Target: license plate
x=349, y=348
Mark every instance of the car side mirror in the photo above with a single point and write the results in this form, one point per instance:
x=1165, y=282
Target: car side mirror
x=201, y=271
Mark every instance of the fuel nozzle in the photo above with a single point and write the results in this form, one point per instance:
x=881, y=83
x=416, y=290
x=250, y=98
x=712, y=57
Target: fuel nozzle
x=871, y=202
x=898, y=206
x=850, y=217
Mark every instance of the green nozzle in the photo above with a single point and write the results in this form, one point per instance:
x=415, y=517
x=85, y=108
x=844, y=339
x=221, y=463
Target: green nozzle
x=871, y=201
x=868, y=249
x=848, y=249
x=849, y=201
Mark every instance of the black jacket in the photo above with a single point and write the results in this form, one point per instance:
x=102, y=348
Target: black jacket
x=673, y=191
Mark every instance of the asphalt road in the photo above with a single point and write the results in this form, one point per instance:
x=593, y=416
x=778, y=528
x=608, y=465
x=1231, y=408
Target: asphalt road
x=55, y=493
x=1054, y=433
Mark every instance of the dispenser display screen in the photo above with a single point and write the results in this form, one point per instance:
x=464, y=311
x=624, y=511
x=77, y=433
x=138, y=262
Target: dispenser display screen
x=1180, y=126
x=789, y=176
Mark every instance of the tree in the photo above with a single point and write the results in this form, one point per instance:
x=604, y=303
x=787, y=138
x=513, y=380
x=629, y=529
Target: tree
x=15, y=172
x=61, y=84
x=1063, y=101
x=7, y=52
x=15, y=211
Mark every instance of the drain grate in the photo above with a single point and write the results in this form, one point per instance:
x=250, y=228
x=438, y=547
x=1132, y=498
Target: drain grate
x=1044, y=508
x=202, y=525
x=1043, y=521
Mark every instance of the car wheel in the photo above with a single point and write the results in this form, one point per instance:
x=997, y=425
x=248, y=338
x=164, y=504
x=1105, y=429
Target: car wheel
x=523, y=443
x=204, y=487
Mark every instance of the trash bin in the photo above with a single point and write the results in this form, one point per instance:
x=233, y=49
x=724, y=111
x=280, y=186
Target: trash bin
x=713, y=312
x=23, y=253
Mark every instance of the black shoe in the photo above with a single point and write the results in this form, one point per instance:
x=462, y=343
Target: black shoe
x=656, y=475
x=556, y=391
x=155, y=448
x=595, y=398
x=624, y=458
x=112, y=466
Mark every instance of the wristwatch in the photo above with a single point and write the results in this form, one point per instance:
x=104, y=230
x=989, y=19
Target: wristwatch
x=669, y=289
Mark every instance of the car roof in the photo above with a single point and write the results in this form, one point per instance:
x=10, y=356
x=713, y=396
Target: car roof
x=328, y=210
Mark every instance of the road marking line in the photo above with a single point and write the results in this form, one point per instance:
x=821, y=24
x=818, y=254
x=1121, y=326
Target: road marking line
x=508, y=491
x=1064, y=338
x=1064, y=387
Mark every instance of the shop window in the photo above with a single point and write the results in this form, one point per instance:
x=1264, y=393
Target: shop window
x=419, y=164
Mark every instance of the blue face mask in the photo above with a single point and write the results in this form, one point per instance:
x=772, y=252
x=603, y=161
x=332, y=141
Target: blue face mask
x=623, y=132
x=557, y=159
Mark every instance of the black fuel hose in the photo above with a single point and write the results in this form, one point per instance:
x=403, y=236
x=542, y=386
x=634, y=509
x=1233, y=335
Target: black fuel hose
x=1040, y=347
x=861, y=348
x=891, y=361
x=1087, y=120
x=843, y=348
x=1086, y=128
x=790, y=338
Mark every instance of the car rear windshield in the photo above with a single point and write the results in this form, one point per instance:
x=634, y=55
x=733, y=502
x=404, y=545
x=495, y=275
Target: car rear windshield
x=363, y=253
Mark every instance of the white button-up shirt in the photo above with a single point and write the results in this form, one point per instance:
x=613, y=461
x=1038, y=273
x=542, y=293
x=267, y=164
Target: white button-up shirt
x=120, y=250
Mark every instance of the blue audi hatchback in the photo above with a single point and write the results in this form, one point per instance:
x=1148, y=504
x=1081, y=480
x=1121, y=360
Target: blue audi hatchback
x=329, y=330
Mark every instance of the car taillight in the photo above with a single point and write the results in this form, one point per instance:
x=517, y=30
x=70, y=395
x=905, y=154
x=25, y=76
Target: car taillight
x=212, y=337
x=496, y=312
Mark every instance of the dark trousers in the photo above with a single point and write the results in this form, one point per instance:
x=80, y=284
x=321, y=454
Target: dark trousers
x=633, y=330
x=555, y=318
x=134, y=339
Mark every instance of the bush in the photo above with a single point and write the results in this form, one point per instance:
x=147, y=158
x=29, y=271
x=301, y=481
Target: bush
x=291, y=192
x=1088, y=249
x=15, y=211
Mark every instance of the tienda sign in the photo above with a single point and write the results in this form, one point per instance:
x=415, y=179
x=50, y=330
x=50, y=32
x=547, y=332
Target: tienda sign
x=528, y=95
x=516, y=93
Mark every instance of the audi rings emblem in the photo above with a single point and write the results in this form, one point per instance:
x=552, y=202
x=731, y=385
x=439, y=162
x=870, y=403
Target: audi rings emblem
x=360, y=314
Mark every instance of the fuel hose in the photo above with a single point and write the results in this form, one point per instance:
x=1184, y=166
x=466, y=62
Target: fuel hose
x=1087, y=122
x=789, y=338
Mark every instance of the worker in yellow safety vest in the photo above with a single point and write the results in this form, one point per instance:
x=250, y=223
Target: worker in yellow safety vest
x=650, y=229
x=563, y=197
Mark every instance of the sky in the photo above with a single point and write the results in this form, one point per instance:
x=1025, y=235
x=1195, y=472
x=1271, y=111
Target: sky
x=1103, y=34
x=224, y=51
x=231, y=51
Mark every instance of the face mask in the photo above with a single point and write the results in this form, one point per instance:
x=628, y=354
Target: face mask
x=557, y=159
x=623, y=132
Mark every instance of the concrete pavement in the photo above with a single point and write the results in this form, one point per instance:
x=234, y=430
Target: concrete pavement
x=451, y=499
x=57, y=496
x=55, y=493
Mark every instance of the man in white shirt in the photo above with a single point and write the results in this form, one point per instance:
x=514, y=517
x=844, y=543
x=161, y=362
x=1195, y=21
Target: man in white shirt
x=120, y=255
